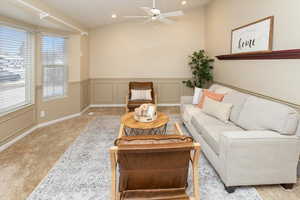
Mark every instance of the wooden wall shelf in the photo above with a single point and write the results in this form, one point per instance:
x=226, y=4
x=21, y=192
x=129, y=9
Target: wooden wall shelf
x=282, y=54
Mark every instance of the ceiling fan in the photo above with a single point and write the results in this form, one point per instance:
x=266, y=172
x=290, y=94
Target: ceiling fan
x=154, y=14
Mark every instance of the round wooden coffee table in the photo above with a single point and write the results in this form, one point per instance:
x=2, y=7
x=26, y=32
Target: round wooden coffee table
x=133, y=127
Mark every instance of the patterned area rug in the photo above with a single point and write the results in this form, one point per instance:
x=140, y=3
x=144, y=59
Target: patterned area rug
x=83, y=171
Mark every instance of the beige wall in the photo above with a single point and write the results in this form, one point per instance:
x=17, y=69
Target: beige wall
x=15, y=123
x=274, y=78
x=84, y=46
x=77, y=97
x=146, y=50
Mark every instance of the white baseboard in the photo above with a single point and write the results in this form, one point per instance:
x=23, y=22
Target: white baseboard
x=8, y=144
x=5, y=146
x=58, y=120
x=41, y=125
x=85, y=109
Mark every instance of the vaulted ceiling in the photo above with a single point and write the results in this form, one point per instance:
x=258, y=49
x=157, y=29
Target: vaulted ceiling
x=94, y=13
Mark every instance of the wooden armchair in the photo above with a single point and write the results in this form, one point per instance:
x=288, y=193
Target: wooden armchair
x=132, y=104
x=154, y=167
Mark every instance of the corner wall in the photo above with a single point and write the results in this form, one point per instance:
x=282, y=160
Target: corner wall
x=275, y=78
x=123, y=52
x=17, y=122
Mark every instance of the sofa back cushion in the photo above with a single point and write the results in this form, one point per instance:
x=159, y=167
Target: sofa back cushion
x=237, y=99
x=261, y=114
x=222, y=89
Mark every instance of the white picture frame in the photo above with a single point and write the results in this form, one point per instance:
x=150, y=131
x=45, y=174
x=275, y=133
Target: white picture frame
x=253, y=38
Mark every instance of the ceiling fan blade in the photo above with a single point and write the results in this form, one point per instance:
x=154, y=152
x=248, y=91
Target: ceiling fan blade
x=136, y=16
x=173, y=14
x=147, y=10
x=166, y=21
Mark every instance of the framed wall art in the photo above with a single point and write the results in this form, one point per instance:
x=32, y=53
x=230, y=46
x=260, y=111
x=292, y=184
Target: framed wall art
x=254, y=37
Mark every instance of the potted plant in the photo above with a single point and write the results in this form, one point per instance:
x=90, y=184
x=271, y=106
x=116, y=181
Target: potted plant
x=202, y=70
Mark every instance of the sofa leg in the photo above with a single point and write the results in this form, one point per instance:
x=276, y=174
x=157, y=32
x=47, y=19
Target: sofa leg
x=288, y=186
x=229, y=189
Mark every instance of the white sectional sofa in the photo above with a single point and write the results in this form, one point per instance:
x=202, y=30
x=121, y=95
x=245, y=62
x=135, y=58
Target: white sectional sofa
x=259, y=145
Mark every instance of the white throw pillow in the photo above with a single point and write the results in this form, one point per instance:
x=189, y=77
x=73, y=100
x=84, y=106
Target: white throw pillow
x=197, y=95
x=141, y=95
x=217, y=109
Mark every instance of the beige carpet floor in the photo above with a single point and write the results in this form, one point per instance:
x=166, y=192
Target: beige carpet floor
x=27, y=162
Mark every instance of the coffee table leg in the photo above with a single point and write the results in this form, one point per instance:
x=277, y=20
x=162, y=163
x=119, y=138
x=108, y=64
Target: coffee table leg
x=156, y=131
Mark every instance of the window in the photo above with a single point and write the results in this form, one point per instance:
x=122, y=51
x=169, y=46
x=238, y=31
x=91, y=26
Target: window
x=16, y=66
x=54, y=61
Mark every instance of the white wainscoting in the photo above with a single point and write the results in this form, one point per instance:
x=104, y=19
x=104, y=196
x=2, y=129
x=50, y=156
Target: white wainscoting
x=114, y=90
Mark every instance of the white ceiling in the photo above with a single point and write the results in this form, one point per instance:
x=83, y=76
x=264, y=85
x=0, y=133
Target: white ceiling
x=91, y=13
x=94, y=13
x=19, y=12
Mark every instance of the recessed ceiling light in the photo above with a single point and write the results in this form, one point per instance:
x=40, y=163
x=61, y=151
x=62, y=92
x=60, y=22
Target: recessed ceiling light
x=114, y=16
x=183, y=2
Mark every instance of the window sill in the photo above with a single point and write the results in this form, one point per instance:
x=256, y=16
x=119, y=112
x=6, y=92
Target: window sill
x=54, y=98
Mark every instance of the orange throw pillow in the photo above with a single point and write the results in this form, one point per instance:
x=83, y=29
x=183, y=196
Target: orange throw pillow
x=211, y=95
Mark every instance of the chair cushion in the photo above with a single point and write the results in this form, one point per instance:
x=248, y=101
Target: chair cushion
x=237, y=99
x=261, y=114
x=140, y=95
x=162, y=194
x=211, y=128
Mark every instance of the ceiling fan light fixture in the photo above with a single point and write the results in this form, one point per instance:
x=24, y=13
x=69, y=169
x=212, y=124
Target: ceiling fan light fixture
x=114, y=16
x=183, y=3
x=155, y=11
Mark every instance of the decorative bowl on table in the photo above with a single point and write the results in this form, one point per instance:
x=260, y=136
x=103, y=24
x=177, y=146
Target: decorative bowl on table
x=145, y=113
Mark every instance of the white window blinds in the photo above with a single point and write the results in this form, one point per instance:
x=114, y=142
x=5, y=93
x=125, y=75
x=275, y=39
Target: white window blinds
x=54, y=61
x=16, y=66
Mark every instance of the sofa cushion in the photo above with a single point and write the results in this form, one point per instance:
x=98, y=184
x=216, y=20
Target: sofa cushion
x=261, y=114
x=188, y=110
x=237, y=99
x=211, y=128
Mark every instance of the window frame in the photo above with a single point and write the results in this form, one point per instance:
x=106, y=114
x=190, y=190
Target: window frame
x=30, y=72
x=66, y=66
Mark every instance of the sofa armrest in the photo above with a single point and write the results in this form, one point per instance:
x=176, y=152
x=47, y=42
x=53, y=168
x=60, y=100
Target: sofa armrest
x=186, y=100
x=256, y=157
